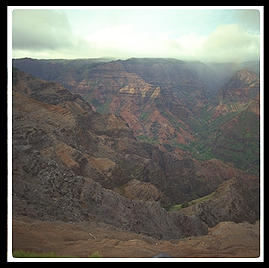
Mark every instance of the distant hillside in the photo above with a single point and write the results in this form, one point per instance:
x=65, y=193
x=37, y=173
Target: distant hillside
x=184, y=108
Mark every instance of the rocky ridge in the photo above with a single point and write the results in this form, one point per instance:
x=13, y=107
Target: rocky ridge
x=181, y=107
x=57, y=174
x=73, y=164
x=67, y=159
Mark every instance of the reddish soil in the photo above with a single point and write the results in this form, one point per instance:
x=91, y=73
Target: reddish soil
x=226, y=240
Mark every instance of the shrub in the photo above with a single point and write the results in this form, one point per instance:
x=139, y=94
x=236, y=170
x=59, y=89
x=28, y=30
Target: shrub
x=95, y=255
x=28, y=254
x=185, y=204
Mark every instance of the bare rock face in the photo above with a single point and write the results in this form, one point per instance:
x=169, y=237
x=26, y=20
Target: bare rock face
x=73, y=164
x=139, y=190
x=235, y=200
x=64, y=155
x=243, y=86
x=147, y=93
x=195, y=110
x=49, y=191
x=145, y=217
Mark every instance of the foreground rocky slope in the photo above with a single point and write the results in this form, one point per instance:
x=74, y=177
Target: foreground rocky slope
x=57, y=156
x=225, y=240
x=73, y=164
x=241, y=198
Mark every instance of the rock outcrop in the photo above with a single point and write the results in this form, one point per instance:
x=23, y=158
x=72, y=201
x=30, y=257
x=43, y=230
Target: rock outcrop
x=68, y=159
x=64, y=154
x=235, y=200
x=182, y=107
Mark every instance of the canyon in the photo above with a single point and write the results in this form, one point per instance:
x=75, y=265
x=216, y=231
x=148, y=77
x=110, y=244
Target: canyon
x=158, y=151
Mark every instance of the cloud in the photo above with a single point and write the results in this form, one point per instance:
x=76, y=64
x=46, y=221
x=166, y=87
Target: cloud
x=188, y=46
x=248, y=18
x=40, y=30
x=127, y=41
x=227, y=43
x=231, y=43
x=48, y=34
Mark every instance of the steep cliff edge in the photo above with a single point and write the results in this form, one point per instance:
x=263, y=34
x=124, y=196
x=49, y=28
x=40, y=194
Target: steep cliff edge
x=64, y=154
x=73, y=164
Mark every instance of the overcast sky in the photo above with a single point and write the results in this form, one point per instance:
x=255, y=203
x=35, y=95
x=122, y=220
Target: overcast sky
x=219, y=35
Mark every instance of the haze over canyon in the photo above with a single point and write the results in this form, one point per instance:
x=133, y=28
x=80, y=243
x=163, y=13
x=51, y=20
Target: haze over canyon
x=152, y=146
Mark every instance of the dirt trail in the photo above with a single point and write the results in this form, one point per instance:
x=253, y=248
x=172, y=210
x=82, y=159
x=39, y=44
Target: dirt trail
x=227, y=239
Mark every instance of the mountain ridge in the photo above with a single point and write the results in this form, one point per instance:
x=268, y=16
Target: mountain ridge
x=73, y=164
x=79, y=112
x=165, y=101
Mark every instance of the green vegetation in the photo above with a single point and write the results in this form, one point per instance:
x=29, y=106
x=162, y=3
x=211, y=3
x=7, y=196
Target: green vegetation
x=238, y=143
x=144, y=115
x=154, y=129
x=147, y=139
x=177, y=125
x=95, y=255
x=95, y=102
x=221, y=120
x=28, y=254
x=200, y=150
x=104, y=108
x=168, y=147
x=195, y=201
x=185, y=205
